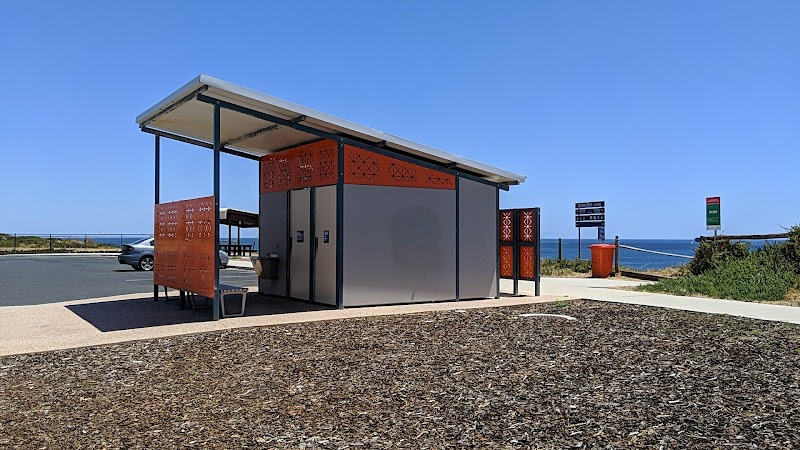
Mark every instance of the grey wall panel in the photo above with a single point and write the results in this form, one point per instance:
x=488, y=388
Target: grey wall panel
x=399, y=245
x=477, y=240
x=272, y=238
x=325, y=242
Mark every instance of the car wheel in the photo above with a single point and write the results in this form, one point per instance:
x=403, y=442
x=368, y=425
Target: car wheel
x=146, y=263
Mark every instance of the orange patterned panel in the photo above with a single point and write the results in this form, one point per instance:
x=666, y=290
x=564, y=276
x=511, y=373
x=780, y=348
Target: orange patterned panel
x=526, y=262
x=167, y=267
x=526, y=224
x=185, y=245
x=166, y=226
x=507, y=226
x=506, y=261
x=198, y=222
x=308, y=165
x=365, y=167
x=198, y=270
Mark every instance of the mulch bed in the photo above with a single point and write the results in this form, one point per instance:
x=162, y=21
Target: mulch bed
x=618, y=377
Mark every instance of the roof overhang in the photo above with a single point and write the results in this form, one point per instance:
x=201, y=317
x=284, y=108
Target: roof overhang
x=238, y=218
x=188, y=115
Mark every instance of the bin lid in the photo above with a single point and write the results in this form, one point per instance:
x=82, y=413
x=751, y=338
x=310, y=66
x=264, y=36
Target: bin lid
x=602, y=246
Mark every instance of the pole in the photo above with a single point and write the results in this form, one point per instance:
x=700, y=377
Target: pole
x=579, y=243
x=157, y=191
x=51, y=242
x=559, y=249
x=538, y=252
x=616, y=255
x=85, y=237
x=217, y=146
x=515, y=258
x=15, y=242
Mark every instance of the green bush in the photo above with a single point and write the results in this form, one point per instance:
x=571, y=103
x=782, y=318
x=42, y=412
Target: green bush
x=554, y=267
x=711, y=254
x=767, y=273
x=791, y=248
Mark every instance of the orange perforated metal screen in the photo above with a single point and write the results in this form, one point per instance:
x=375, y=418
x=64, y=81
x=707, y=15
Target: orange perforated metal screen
x=309, y=165
x=526, y=224
x=506, y=261
x=526, y=262
x=185, y=245
x=365, y=167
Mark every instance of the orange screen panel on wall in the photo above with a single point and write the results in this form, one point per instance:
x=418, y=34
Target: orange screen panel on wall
x=526, y=262
x=309, y=165
x=506, y=261
x=185, y=245
x=366, y=167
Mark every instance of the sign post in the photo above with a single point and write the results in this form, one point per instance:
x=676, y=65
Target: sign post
x=713, y=218
x=590, y=214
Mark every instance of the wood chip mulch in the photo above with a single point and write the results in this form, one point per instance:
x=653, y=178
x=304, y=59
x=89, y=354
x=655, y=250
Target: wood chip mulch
x=619, y=376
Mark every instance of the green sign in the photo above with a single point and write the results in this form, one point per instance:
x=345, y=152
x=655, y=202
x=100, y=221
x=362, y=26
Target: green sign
x=713, y=221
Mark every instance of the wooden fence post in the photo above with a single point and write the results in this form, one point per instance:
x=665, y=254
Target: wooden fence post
x=616, y=255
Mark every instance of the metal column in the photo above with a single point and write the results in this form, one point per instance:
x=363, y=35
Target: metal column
x=458, y=267
x=216, y=305
x=516, y=257
x=497, y=224
x=340, y=227
x=537, y=252
x=157, y=191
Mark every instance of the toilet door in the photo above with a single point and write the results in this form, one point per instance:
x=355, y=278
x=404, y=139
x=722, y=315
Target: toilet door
x=325, y=245
x=302, y=243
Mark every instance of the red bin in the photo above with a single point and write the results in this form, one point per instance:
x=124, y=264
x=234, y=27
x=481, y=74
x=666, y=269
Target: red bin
x=602, y=260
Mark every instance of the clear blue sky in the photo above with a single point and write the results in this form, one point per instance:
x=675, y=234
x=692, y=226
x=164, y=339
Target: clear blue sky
x=650, y=106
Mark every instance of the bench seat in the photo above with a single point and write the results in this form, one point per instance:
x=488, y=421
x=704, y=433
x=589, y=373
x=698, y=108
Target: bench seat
x=225, y=291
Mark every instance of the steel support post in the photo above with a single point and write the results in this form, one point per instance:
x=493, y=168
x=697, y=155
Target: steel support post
x=340, y=227
x=497, y=225
x=515, y=257
x=458, y=239
x=217, y=139
x=289, y=243
x=537, y=237
x=157, y=198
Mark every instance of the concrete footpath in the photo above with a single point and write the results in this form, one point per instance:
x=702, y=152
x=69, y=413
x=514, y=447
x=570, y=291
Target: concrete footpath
x=607, y=290
x=109, y=320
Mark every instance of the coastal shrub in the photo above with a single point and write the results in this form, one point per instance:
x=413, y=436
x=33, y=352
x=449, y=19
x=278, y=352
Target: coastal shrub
x=565, y=267
x=710, y=254
x=791, y=248
x=765, y=274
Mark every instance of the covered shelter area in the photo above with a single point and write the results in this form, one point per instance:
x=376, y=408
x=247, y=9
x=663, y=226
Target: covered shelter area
x=239, y=219
x=348, y=215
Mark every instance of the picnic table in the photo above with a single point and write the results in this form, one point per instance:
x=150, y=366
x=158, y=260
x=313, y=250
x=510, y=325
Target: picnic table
x=237, y=249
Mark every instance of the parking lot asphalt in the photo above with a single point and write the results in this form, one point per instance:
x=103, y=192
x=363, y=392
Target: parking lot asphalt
x=41, y=279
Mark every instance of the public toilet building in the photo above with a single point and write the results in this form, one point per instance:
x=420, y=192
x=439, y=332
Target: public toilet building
x=352, y=216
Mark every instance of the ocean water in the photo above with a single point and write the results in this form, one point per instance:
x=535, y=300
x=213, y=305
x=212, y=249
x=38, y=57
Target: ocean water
x=569, y=248
x=628, y=258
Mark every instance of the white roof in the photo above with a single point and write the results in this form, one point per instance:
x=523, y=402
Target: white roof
x=192, y=118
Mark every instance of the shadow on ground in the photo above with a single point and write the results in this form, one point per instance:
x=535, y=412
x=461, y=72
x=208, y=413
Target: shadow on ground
x=144, y=312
